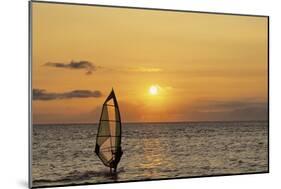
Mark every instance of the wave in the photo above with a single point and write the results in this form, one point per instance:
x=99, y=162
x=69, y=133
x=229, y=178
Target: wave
x=80, y=176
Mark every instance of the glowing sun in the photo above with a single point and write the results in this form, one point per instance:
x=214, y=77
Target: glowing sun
x=153, y=90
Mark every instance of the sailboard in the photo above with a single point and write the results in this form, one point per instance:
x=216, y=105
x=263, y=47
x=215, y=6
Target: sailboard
x=108, y=141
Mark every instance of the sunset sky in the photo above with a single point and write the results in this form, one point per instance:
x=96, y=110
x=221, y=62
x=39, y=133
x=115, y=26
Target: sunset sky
x=163, y=65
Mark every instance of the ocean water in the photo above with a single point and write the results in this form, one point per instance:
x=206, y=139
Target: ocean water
x=64, y=154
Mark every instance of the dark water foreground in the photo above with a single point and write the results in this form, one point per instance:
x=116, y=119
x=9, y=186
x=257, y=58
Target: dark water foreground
x=64, y=154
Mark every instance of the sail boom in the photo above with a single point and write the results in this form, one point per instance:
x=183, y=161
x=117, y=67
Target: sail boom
x=108, y=105
x=109, y=120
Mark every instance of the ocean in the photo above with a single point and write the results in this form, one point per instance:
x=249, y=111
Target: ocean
x=64, y=154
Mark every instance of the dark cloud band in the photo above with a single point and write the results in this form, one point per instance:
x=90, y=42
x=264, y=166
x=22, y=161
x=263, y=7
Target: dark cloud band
x=41, y=94
x=85, y=65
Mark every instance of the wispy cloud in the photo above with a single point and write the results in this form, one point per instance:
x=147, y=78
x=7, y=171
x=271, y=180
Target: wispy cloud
x=82, y=65
x=41, y=94
x=145, y=69
x=216, y=105
x=140, y=69
x=240, y=109
x=211, y=110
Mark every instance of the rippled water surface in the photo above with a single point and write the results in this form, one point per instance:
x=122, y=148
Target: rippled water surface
x=64, y=154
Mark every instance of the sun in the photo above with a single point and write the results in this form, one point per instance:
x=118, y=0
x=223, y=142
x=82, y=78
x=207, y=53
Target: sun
x=153, y=90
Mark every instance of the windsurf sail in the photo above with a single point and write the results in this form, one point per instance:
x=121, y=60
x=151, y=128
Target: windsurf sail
x=108, y=142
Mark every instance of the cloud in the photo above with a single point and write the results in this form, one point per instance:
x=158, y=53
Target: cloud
x=140, y=69
x=214, y=110
x=201, y=110
x=82, y=65
x=145, y=69
x=216, y=105
x=41, y=94
x=211, y=110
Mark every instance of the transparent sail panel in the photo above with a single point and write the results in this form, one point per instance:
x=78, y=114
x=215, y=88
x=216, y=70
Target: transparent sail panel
x=105, y=150
x=111, y=113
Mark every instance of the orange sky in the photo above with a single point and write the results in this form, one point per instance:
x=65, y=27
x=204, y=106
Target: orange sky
x=205, y=66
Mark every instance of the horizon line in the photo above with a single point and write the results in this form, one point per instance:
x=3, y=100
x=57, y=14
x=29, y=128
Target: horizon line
x=131, y=122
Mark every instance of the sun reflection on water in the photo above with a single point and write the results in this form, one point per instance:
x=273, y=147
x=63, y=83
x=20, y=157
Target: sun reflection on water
x=153, y=157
